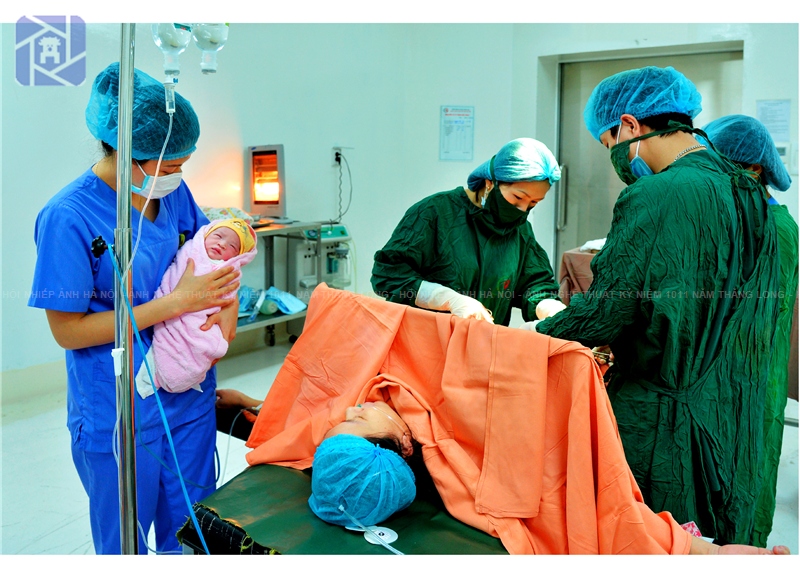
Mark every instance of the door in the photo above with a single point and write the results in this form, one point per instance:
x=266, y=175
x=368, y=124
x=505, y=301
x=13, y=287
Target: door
x=585, y=200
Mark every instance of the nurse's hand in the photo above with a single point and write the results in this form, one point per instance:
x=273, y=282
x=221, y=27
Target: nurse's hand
x=226, y=319
x=549, y=307
x=530, y=326
x=195, y=293
x=466, y=307
x=437, y=297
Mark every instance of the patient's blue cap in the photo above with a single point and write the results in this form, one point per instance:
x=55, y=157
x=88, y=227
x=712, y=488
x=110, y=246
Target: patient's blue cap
x=642, y=92
x=150, y=121
x=521, y=160
x=370, y=482
x=744, y=139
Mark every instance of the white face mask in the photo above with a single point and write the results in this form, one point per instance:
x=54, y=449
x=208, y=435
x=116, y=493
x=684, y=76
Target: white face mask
x=163, y=184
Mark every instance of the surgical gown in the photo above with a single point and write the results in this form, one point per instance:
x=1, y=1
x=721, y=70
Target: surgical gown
x=681, y=292
x=443, y=239
x=777, y=390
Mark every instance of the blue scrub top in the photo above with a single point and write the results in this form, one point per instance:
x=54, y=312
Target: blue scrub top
x=69, y=278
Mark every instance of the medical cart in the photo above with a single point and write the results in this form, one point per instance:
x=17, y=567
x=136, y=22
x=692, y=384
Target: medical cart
x=308, y=232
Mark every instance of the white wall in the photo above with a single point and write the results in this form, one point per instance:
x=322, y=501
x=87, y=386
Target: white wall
x=375, y=87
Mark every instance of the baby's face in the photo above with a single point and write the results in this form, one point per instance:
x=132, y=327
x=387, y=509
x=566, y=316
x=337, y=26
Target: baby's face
x=222, y=244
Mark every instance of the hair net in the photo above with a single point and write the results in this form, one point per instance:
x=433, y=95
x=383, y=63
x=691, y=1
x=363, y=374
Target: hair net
x=150, y=119
x=521, y=160
x=370, y=482
x=744, y=139
x=642, y=93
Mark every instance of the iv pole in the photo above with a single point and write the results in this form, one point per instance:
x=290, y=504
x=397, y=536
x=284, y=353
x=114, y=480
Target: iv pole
x=123, y=330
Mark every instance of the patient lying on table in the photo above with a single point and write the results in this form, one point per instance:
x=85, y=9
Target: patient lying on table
x=514, y=428
x=355, y=472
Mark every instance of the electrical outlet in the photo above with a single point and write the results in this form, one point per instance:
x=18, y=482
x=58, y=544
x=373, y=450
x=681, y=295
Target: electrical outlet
x=334, y=151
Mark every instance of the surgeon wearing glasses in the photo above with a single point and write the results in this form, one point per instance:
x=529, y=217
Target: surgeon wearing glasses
x=690, y=240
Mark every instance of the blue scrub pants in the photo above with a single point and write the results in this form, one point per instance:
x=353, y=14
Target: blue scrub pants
x=159, y=494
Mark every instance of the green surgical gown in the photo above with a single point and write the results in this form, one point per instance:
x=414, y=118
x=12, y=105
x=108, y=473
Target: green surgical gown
x=682, y=294
x=442, y=239
x=777, y=390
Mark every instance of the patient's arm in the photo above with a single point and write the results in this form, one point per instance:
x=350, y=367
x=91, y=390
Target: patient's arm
x=228, y=398
x=700, y=546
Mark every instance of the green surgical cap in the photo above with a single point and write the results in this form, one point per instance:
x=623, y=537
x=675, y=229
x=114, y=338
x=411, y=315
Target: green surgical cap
x=371, y=483
x=642, y=93
x=521, y=160
x=150, y=121
x=744, y=139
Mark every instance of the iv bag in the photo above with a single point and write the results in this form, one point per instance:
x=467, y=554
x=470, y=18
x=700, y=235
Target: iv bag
x=210, y=38
x=172, y=39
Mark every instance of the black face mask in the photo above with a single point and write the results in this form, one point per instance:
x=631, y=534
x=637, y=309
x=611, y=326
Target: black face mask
x=498, y=214
x=620, y=151
x=623, y=166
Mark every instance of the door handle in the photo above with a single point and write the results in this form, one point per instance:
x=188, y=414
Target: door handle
x=561, y=200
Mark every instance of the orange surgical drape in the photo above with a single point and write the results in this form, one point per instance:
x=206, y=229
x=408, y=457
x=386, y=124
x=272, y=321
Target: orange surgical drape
x=516, y=428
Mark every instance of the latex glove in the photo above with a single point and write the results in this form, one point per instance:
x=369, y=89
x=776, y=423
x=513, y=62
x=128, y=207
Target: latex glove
x=549, y=307
x=530, y=326
x=437, y=297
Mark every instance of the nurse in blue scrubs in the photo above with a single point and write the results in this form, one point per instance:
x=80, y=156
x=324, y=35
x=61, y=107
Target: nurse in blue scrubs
x=76, y=289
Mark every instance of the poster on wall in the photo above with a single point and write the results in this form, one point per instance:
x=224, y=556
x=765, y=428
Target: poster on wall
x=776, y=116
x=456, y=133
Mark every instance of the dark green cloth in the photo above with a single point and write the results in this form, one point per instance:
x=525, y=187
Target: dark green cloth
x=681, y=292
x=777, y=389
x=443, y=239
x=264, y=510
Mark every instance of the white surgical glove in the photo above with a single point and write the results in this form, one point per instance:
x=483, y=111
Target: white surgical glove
x=549, y=307
x=530, y=326
x=437, y=297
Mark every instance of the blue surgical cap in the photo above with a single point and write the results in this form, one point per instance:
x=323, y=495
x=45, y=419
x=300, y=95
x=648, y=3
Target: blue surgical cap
x=642, y=93
x=744, y=139
x=521, y=160
x=370, y=482
x=150, y=119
